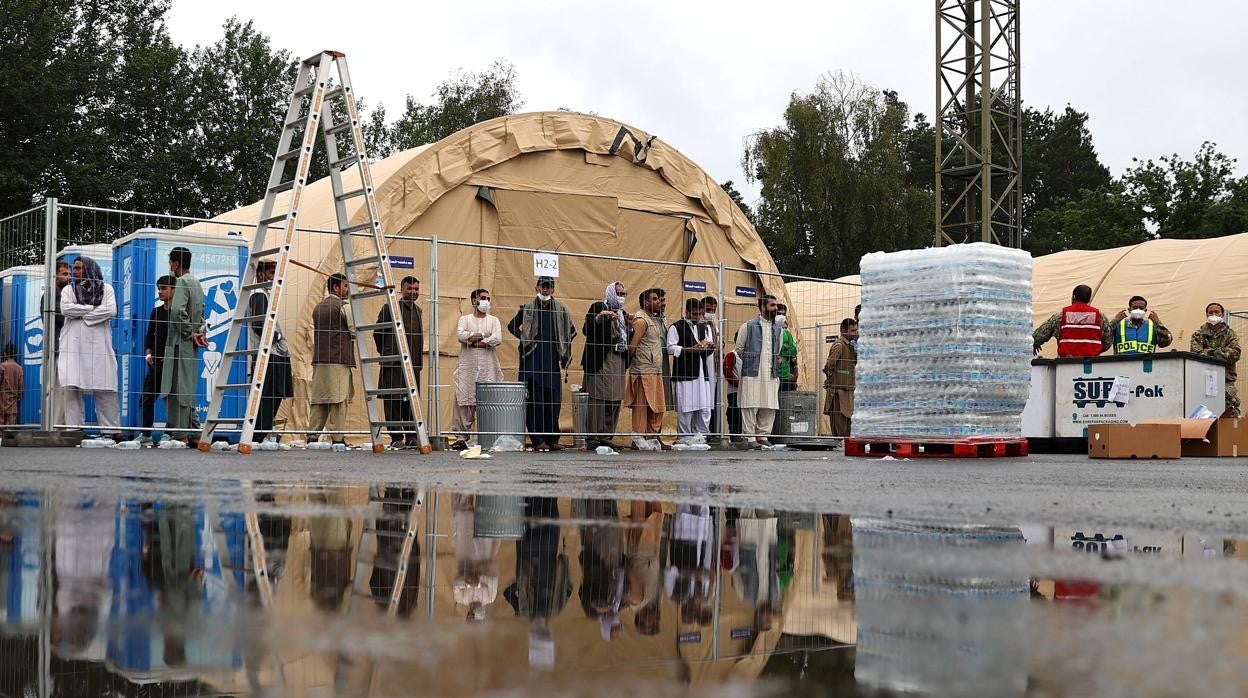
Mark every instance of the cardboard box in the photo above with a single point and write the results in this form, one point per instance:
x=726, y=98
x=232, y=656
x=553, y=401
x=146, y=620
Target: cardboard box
x=1210, y=438
x=1146, y=441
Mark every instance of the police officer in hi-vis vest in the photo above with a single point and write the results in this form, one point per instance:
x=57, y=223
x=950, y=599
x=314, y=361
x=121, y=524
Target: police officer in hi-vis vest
x=1138, y=330
x=1081, y=329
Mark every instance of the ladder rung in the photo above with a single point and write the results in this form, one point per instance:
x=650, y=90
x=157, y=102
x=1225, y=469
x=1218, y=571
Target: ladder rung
x=307, y=90
x=387, y=534
x=357, y=228
x=284, y=186
x=361, y=261
x=373, y=327
x=289, y=154
x=248, y=288
x=265, y=253
x=345, y=162
x=384, y=391
x=365, y=295
x=393, y=500
x=338, y=128
x=224, y=420
x=232, y=386
x=351, y=194
x=334, y=93
x=381, y=359
x=299, y=121
x=248, y=319
x=275, y=219
x=241, y=352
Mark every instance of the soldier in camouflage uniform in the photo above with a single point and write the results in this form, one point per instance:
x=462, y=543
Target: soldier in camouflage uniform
x=1214, y=338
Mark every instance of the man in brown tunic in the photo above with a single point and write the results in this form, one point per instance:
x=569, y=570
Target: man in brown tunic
x=644, y=390
x=333, y=357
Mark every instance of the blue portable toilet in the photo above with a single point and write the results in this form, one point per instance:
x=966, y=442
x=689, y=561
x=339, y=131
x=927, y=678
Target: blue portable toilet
x=21, y=290
x=218, y=261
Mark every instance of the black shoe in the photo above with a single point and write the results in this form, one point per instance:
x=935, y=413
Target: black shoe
x=459, y=445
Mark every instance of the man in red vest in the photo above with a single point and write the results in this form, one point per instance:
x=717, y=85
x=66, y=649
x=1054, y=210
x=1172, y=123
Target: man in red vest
x=1081, y=329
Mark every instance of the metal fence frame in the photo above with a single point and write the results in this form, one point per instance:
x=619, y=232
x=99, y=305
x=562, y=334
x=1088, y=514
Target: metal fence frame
x=56, y=215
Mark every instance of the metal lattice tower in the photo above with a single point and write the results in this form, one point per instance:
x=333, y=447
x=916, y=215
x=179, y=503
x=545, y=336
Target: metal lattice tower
x=979, y=138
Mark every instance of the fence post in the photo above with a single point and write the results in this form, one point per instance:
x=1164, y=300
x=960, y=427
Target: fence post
x=48, y=313
x=435, y=347
x=722, y=388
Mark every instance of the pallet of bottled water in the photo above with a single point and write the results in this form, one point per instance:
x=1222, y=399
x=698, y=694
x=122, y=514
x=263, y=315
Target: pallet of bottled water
x=945, y=348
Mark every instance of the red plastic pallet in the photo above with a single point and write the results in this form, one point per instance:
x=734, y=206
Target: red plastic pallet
x=935, y=448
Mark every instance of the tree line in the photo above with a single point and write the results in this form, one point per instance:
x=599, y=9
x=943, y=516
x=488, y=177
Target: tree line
x=100, y=107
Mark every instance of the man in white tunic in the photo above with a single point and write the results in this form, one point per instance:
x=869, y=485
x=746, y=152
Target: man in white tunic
x=690, y=343
x=85, y=361
x=479, y=335
x=758, y=397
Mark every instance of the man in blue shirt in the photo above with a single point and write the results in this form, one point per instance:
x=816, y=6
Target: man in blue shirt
x=544, y=328
x=1138, y=330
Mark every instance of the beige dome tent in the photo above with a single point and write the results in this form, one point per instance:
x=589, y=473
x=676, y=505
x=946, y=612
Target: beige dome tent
x=555, y=181
x=1178, y=277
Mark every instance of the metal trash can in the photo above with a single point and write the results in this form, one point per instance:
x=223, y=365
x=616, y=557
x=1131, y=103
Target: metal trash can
x=798, y=417
x=580, y=417
x=498, y=516
x=500, y=409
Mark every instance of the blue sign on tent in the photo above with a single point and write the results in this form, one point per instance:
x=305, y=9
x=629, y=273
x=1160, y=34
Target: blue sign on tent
x=688, y=638
x=747, y=292
x=698, y=286
x=397, y=262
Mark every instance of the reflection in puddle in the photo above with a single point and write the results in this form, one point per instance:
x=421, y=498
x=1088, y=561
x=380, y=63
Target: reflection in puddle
x=392, y=590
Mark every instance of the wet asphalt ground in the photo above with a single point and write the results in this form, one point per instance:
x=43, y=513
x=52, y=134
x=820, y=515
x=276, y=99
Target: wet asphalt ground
x=1207, y=495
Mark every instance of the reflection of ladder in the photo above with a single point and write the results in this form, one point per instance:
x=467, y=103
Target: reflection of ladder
x=395, y=560
x=311, y=105
x=254, y=544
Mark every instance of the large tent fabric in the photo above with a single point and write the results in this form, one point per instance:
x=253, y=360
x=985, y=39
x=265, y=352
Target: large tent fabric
x=1178, y=277
x=556, y=181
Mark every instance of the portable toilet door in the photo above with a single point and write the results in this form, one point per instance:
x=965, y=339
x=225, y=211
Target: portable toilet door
x=218, y=262
x=21, y=297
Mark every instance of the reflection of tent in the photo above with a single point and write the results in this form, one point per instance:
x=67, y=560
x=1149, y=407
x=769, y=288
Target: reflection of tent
x=1178, y=277
x=557, y=181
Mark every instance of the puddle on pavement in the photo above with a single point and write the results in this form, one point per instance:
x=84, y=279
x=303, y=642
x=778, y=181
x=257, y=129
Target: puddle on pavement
x=392, y=591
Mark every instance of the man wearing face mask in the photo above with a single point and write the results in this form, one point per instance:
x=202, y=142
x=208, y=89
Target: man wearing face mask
x=390, y=375
x=1139, y=331
x=839, y=379
x=544, y=328
x=479, y=335
x=1215, y=339
x=710, y=316
x=758, y=345
x=788, y=351
x=604, y=360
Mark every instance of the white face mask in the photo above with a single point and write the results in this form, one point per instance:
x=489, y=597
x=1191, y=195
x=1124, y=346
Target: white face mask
x=708, y=317
x=780, y=319
x=483, y=305
x=1214, y=319
x=544, y=298
x=1138, y=314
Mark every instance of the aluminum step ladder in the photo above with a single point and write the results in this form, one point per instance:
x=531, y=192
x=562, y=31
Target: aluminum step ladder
x=322, y=82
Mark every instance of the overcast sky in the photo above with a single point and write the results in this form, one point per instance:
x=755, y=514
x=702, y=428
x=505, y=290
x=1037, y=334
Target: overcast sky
x=1155, y=76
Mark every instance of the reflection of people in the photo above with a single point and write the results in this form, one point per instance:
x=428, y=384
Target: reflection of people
x=476, y=564
x=643, y=544
x=174, y=574
x=838, y=554
x=84, y=546
x=86, y=362
x=331, y=558
x=179, y=379
x=755, y=571
x=542, y=585
x=604, y=582
x=688, y=579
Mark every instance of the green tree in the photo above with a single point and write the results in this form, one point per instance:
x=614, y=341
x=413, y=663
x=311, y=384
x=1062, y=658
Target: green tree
x=242, y=90
x=1095, y=219
x=1188, y=198
x=458, y=102
x=1060, y=165
x=835, y=180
